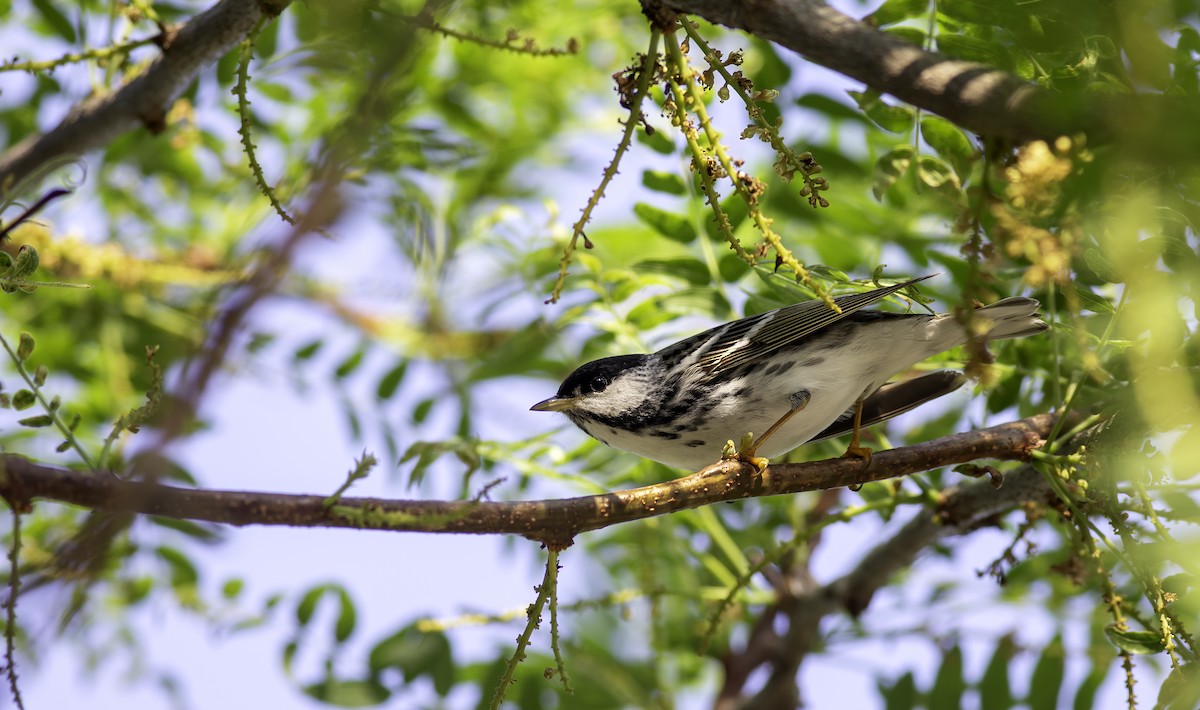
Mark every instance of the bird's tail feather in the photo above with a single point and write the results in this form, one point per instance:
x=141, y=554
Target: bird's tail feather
x=1013, y=318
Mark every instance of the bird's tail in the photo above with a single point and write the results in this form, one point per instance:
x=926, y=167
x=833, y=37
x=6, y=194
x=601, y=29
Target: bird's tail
x=1012, y=318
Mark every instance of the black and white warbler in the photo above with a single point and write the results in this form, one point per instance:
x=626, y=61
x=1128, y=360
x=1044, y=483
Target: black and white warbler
x=799, y=373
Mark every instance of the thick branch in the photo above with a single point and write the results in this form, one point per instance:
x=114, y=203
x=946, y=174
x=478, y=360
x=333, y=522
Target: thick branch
x=97, y=121
x=978, y=97
x=554, y=522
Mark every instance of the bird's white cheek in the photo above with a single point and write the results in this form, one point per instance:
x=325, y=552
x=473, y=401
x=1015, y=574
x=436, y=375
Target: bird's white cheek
x=620, y=397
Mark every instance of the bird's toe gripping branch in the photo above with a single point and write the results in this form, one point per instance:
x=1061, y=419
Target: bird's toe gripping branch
x=750, y=445
x=854, y=449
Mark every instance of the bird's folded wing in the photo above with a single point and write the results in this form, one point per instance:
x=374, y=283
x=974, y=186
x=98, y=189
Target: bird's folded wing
x=896, y=398
x=751, y=338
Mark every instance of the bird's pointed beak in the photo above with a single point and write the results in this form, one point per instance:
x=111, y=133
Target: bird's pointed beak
x=554, y=404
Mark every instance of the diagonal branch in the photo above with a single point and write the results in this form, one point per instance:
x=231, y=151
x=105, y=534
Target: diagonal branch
x=961, y=510
x=978, y=97
x=96, y=122
x=553, y=522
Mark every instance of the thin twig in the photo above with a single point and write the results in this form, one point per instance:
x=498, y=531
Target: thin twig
x=534, y=619
x=635, y=119
x=14, y=588
x=552, y=568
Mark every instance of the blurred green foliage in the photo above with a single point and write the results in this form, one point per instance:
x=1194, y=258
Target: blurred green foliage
x=447, y=150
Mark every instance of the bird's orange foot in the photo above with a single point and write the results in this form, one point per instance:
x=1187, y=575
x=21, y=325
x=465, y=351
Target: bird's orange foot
x=745, y=453
x=758, y=462
x=856, y=451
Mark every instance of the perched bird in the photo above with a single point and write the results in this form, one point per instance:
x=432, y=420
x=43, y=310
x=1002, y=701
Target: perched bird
x=795, y=374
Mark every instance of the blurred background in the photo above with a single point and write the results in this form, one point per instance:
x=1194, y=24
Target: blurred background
x=444, y=161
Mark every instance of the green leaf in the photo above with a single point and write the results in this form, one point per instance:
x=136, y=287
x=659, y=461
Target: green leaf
x=830, y=107
x=308, y=604
x=973, y=49
x=896, y=119
x=773, y=70
x=731, y=267
x=347, y=617
x=183, y=572
x=274, y=91
x=1085, y=696
x=662, y=181
x=912, y=35
x=390, y=382
x=56, y=20
x=936, y=174
x=197, y=531
x=23, y=399
x=657, y=142
x=1046, y=682
x=995, y=693
x=1091, y=301
x=1181, y=688
x=949, y=685
x=289, y=654
x=893, y=11
x=735, y=210
x=42, y=420
x=416, y=653
x=902, y=695
x=668, y=224
x=949, y=141
x=348, y=693
x=137, y=590
x=307, y=352
x=350, y=364
x=25, y=347
x=422, y=410
x=890, y=167
x=232, y=588
x=691, y=270
x=648, y=314
x=1136, y=642
x=1102, y=266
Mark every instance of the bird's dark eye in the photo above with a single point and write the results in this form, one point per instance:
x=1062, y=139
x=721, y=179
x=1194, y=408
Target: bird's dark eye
x=597, y=384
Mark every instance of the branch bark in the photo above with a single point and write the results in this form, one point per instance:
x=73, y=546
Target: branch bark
x=975, y=96
x=552, y=522
x=97, y=121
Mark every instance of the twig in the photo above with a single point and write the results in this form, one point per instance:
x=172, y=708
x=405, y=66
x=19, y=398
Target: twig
x=975, y=96
x=14, y=588
x=645, y=73
x=534, y=619
x=552, y=568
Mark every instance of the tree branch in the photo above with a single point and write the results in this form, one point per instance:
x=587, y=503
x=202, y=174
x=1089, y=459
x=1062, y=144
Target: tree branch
x=976, y=96
x=97, y=121
x=553, y=522
x=961, y=509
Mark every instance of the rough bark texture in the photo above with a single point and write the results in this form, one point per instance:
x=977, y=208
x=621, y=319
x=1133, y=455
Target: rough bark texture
x=554, y=522
x=977, y=97
x=96, y=122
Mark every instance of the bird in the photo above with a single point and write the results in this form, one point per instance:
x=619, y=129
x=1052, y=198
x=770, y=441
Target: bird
x=800, y=373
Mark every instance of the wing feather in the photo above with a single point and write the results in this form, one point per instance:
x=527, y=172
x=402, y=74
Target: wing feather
x=751, y=338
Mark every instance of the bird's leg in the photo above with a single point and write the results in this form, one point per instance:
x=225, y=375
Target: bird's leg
x=798, y=401
x=854, y=449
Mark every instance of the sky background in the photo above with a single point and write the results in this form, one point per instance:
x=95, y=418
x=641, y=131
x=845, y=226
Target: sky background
x=269, y=435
